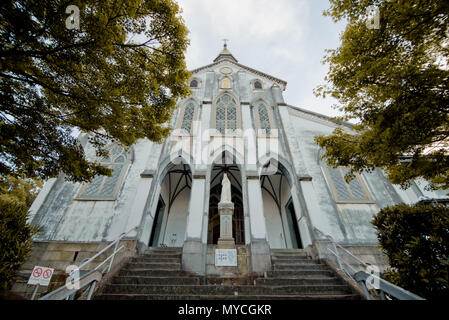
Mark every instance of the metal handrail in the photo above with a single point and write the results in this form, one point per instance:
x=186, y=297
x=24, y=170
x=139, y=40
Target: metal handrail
x=92, y=277
x=341, y=247
x=361, y=277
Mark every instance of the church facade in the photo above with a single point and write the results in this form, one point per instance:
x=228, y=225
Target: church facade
x=235, y=123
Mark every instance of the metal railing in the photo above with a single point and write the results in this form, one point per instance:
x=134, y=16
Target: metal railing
x=89, y=278
x=363, y=277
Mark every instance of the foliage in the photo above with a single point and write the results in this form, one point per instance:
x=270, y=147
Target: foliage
x=16, y=196
x=117, y=77
x=19, y=189
x=416, y=241
x=394, y=81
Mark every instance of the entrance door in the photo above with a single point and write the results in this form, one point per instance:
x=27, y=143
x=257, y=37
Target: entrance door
x=157, y=224
x=293, y=225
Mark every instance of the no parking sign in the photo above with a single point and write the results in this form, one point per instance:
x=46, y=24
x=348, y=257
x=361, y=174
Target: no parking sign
x=41, y=276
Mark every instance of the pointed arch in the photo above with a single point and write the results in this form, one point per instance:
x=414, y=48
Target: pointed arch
x=226, y=115
x=104, y=187
x=263, y=117
x=188, y=113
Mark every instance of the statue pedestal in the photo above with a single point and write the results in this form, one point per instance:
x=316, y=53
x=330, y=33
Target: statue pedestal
x=226, y=210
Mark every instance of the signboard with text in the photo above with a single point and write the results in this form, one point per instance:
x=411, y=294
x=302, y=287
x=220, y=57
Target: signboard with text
x=225, y=257
x=41, y=276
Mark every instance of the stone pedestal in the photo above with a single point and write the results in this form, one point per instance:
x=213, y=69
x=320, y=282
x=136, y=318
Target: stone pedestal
x=226, y=210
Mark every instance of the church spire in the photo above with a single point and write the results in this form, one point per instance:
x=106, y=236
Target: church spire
x=225, y=53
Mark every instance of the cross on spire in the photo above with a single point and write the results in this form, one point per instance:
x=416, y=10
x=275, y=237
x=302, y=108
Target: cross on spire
x=225, y=44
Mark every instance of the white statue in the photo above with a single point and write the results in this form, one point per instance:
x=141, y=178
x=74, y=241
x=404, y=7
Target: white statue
x=225, y=190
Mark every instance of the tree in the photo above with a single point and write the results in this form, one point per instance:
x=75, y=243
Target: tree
x=16, y=196
x=116, y=77
x=394, y=81
x=416, y=241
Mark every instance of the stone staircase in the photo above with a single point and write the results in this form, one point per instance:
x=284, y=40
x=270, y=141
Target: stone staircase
x=305, y=278
x=157, y=275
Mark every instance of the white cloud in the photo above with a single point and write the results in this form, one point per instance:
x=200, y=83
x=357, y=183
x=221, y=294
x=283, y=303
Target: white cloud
x=284, y=38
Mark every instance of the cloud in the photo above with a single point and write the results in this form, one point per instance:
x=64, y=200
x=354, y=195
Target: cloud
x=283, y=38
x=272, y=27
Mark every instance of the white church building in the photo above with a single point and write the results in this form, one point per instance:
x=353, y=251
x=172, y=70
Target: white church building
x=235, y=122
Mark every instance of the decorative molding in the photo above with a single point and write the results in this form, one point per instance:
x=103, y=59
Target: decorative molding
x=252, y=176
x=281, y=83
x=147, y=173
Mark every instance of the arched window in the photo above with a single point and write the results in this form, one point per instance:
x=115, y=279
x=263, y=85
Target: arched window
x=188, y=117
x=226, y=83
x=264, y=118
x=354, y=191
x=257, y=85
x=226, y=114
x=104, y=187
x=194, y=83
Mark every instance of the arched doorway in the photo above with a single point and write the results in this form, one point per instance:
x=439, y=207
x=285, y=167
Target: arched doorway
x=234, y=175
x=280, y=215
x=170, y=218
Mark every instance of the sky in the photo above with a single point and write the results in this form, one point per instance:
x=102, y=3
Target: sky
x=286, y=39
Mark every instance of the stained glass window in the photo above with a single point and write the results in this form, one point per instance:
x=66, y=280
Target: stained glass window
x=264, y=118
x=104, y=187
x=257, y=85
x=226, y=114
x=194, y=83
x=188, y=117
x=345, y=191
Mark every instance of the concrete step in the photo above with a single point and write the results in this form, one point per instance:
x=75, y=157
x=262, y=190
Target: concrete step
x=156, y=280
x=294, y=261
x=300, y=273
x=157, y=259
x=312, y=280
x=154, y=265
x=110, y=296
x=225, y=290
x=296, y=266
x=163, y=250
x=151, y=273
x=162, y=255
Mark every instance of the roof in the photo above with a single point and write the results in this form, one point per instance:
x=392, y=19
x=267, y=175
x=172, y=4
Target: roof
x=226, y=56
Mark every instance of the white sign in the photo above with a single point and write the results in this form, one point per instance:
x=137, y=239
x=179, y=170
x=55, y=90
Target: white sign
x=226, y=257
x=41, y=276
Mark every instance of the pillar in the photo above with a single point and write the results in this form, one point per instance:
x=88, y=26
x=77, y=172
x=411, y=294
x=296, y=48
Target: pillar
x=259, y=247
x=193, y=252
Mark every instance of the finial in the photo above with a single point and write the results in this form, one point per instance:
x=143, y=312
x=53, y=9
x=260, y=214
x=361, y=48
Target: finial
x=225, y=44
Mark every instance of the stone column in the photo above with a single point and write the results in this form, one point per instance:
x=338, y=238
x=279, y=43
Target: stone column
x=259, y=247
x=193, y=253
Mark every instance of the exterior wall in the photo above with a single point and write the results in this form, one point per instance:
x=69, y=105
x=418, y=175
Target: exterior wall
x=64, y=218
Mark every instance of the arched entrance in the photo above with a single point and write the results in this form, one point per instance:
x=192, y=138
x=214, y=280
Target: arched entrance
x=234, y=175
x=170, y=218
x=280, y=215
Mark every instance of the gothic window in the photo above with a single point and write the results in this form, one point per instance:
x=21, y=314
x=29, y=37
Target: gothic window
x=104, y=187
x=354, y=191
x=257, y=85
x=226, y=83
x=264, y=119
x=226, y=114
x=194, y=83
x=263, y=116
x=188, y=117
